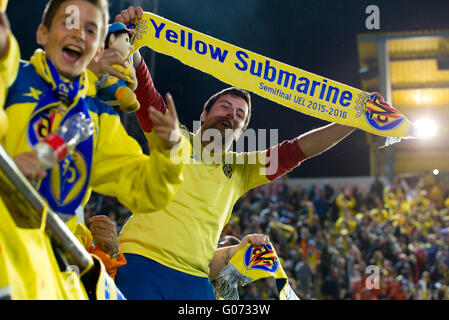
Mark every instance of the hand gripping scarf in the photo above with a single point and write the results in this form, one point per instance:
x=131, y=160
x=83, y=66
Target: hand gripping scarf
x=250, y=264
x=289, y=86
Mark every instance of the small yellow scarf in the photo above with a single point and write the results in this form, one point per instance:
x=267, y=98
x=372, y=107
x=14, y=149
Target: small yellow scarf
x=39, y=62
x=250, y=264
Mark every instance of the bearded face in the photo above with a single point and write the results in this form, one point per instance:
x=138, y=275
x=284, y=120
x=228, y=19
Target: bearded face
x=227, y=115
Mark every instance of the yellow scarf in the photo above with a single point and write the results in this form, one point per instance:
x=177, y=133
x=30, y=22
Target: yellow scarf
x=250, y=264
x=39, y=62
x=289, y=86
x=69, y=96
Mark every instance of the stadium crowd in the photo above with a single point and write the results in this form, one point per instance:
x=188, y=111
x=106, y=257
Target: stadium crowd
x=332, y=242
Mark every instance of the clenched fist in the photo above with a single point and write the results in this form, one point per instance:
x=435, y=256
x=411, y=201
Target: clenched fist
x=104, y=234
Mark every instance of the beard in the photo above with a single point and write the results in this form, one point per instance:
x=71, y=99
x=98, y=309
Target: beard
x=219, y=131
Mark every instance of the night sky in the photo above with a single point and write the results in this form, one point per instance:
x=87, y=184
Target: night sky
x=317, y=36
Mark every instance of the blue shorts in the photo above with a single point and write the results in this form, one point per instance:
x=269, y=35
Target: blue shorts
x=145, y=279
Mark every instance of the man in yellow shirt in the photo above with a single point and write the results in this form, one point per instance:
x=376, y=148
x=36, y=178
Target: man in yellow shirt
x=169, y=251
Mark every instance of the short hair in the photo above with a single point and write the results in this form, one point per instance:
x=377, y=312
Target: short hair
x=117, y=33
x=234, y=91
x=53, y=5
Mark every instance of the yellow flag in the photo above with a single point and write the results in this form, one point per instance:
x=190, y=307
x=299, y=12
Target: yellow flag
x=289, y=86
x=28, y=266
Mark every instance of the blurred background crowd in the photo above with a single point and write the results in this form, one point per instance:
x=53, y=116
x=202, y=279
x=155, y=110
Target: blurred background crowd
x=377, y=241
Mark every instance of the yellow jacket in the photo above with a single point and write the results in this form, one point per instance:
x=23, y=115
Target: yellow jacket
x=119, y=168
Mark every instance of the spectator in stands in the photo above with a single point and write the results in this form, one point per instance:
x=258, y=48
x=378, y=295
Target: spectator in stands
x=377, y=188
x=321, y=205
x=330, y=287
x=270, y=211
x=304, y=274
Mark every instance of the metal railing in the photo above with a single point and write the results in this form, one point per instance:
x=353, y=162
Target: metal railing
x=26, y=207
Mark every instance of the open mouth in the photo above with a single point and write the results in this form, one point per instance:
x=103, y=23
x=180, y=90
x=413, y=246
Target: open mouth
x=226, y=124
x=72, y=53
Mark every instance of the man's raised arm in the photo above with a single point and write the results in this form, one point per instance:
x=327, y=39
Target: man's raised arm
x=319, y=140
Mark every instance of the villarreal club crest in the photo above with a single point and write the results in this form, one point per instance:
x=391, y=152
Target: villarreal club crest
x=261, y=258
x=381, y=116
x=227, y=169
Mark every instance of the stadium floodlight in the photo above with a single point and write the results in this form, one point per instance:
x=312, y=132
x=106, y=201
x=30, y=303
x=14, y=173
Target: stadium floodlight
x=426, y=128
